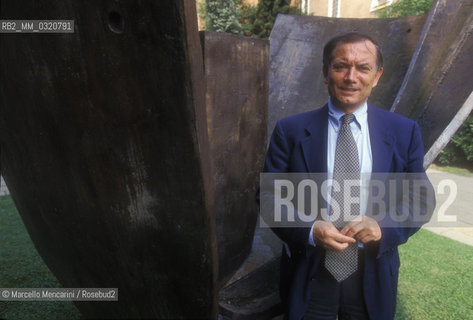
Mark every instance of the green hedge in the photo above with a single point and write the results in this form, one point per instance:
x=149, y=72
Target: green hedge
x=237, y=17
x=459, y=151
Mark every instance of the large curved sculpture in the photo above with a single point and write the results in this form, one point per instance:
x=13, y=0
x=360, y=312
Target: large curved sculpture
x=127, y=167
x=426, y=67
x=106, y=155
x=296, y=77
x=236, y=102
x=437, y=90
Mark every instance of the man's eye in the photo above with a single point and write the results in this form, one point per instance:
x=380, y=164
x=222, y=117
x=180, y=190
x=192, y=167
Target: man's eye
x=364, y=69
x=338, y=67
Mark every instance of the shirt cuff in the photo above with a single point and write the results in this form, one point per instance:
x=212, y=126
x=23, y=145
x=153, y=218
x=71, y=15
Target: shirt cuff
x=311, y=236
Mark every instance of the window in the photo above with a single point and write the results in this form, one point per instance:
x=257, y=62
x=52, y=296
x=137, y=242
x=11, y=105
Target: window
x=305, y=6
x=334, y=8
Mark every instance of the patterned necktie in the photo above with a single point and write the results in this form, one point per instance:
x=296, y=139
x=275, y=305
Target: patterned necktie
x=346, y=167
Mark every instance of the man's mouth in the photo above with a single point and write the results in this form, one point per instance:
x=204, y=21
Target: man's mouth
x=349, y=89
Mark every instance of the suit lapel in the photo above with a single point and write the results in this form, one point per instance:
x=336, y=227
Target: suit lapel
x=382, y=142
x=314, y=145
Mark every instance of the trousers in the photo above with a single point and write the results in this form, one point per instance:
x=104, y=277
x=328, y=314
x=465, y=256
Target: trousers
x=330, y=298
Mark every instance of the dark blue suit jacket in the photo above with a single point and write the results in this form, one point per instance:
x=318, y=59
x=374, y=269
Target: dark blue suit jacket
x=299, y=144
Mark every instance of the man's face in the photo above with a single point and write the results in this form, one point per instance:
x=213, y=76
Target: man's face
x=352, y=74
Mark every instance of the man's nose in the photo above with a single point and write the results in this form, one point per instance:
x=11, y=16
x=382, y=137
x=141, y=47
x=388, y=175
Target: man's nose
x=350, y=74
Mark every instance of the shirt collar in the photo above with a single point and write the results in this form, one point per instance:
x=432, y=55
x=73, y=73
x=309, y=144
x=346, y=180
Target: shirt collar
x=335, y=115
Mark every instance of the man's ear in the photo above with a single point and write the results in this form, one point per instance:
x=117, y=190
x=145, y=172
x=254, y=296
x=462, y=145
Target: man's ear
x=378, y=75
x=325, y=71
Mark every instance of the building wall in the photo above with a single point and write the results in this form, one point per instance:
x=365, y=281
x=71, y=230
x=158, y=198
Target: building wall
x=348, y=8
x=319, y=7
x=356, y=9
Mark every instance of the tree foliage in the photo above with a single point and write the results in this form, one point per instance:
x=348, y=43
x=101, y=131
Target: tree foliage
x=266, y=13
x=238, y=17
x=404, y=8
x=459, y=151
x=221, y=16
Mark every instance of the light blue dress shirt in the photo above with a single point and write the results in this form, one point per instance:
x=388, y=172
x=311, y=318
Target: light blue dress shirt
x=360, y=131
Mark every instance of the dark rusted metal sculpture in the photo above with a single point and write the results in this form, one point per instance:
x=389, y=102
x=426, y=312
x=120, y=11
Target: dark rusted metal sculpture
x=106, y=155
x=438, y=87
x=295, y=77
x=145, y=167
x=236, y=98
x=133, y=159
x=426, y=70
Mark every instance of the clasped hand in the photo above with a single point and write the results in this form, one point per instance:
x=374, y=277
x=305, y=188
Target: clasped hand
x=363, y=229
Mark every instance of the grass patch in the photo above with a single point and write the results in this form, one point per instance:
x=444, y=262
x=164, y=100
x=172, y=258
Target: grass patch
x=22, y=267
x=436, y=276
x=436, y=279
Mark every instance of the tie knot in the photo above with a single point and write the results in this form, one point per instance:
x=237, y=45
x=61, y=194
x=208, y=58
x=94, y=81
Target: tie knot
x=348, y=118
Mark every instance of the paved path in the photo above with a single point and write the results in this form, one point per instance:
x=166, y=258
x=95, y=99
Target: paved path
x=3, y=187
x=462, y=206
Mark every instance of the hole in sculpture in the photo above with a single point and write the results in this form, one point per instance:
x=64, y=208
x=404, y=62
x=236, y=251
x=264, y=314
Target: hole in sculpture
x=116, y=23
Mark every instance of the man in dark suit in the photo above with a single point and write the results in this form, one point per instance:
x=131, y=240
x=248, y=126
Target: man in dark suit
x=374, y=141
